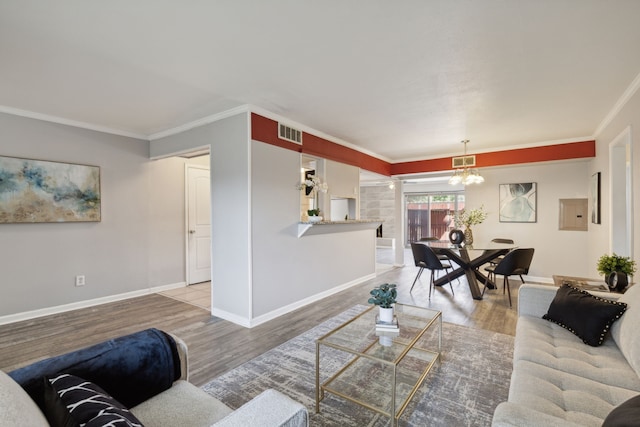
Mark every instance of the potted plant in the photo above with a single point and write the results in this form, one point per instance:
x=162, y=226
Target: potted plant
x=384, y=296
x=467, y=218
x=615, y=269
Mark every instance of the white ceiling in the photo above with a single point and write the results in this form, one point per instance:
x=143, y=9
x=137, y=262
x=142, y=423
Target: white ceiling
x=402, y=79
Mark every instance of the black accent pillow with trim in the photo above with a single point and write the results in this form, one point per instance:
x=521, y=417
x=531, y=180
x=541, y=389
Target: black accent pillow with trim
x=626, y=414
x=71, y=401
x=585, y=315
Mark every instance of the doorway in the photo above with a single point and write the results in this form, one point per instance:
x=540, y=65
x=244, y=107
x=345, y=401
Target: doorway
x=198, y=217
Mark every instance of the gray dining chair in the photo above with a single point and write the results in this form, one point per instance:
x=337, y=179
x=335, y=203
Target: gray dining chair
x=497, y=259
x=516, y=262
x=425, y=257
x=442, y=257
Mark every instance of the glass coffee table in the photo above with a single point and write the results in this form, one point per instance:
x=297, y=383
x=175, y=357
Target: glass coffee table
x=387, y=368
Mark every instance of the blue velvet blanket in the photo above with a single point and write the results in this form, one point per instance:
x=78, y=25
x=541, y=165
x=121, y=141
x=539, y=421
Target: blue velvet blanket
x=131, y=368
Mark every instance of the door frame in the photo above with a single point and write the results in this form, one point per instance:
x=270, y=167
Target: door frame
x=621, y=213
x=188, y=166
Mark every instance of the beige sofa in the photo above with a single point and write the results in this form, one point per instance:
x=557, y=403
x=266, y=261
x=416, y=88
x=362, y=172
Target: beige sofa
x=557, y=379
x=182, y=404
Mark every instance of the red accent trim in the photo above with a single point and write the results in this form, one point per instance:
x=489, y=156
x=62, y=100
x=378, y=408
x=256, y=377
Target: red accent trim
x=320, y=147
x=573, y=150
x=266, y=130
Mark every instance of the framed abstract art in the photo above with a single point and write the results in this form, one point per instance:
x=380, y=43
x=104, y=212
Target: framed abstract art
x=34, y=191
x=518, y=202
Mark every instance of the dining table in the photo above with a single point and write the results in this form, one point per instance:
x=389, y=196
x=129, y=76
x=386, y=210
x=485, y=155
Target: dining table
x=468, y=262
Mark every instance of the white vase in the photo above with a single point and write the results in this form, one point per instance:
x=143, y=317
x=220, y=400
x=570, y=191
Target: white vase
x=386, y=314
x=385, y=341
x=315, y=218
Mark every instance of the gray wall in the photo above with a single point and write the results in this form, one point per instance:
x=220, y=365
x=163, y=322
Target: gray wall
x=138, y=244
x=260, y=267
x=287, y=269
x=378, y=202
x=230, y=231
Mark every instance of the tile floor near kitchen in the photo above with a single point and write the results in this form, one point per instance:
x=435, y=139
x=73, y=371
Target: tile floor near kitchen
x=198, y=294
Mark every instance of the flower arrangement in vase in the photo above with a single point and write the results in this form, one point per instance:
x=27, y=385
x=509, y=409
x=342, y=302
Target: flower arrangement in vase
x=312, y=186
x=467, y=218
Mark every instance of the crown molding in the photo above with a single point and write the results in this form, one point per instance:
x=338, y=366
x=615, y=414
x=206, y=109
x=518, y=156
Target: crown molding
x=68, y=122
x=618, y=106
x=496, y=149
x=278, y=118
x=200, y=122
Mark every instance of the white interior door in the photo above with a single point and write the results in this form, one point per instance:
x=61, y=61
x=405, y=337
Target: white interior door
x=199, y=224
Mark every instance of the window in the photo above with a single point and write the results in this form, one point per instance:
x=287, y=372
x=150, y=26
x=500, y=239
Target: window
x=431, y=214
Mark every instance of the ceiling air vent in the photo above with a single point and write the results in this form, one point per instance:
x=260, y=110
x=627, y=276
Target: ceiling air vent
x=289, y=134
x=463, y=161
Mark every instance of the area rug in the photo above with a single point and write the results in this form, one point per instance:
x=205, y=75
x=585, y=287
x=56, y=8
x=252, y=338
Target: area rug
x=463, y=390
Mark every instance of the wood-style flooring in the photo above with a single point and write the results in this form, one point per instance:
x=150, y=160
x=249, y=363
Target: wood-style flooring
x=215, y=345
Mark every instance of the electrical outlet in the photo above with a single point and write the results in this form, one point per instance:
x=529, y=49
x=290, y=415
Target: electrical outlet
x=80, y=281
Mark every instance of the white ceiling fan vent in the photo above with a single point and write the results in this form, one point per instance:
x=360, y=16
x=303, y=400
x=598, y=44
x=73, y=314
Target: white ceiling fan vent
x=289, y=134
x=463, y=161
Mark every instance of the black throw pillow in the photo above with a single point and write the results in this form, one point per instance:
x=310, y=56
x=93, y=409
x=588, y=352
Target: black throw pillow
x=625, y=415
x=587, y=316
x=71, y=401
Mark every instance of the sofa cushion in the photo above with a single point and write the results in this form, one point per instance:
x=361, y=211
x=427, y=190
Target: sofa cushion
x=586, y=315
x=71, y=401
x=570, y=397
x=625, y=332
x=16, y=407
x=548, y=344
x=131, y=368
x=625, y=415
x=182, y=405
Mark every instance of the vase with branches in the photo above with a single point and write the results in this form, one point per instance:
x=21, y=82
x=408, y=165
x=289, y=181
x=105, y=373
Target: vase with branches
x=467, y=218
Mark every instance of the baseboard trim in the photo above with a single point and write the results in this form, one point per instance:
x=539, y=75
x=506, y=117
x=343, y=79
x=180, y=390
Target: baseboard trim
x=28, y=315
x=233, y=318
x=250, y=323
x=310, y=300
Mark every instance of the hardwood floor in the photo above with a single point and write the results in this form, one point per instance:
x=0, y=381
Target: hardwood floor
x=215, y=345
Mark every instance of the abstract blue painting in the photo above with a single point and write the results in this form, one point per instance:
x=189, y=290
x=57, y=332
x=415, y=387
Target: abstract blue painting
x=43, y=191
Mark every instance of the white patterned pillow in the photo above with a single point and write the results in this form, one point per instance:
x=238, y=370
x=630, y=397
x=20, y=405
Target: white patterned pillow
x=72, y=401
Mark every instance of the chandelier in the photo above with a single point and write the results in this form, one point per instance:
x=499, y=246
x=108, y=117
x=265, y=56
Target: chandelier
x=466, y=176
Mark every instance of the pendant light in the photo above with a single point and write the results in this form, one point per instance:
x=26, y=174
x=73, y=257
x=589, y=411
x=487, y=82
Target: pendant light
x=464, y=175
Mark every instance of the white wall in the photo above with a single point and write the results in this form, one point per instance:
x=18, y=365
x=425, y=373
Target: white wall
x=344, y=182
x=138, y=244
x=599, y=235
x=557, y=252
